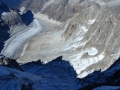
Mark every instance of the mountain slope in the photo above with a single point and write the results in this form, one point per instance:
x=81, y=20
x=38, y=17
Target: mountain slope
x=89, y=40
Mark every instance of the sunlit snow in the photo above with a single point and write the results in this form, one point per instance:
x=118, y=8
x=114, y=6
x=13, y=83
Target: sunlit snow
x=91, y=21
x=92, y=51
x=4, y=13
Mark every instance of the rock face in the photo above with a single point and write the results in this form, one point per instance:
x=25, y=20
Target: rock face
x=59, y=10
x=90, y=40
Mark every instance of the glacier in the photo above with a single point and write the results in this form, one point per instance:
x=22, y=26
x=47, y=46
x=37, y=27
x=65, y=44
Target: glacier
x=14, y=43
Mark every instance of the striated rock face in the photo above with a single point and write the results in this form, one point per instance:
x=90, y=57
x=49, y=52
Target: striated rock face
x=59, y=10
x=62, y=10
x=90, y=40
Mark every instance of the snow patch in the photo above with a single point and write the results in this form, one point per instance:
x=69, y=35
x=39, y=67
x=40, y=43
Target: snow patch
x=22, y=9
x=4, y=13
x=80, y=64
x=91, y=21
x=84, y=28
x=101, y=56
x=92, y=51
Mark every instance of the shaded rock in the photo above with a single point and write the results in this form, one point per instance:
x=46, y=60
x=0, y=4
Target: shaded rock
x=11, y=63
x=26, y=87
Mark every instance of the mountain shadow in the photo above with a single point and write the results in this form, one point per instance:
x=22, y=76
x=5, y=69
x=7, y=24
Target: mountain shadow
x=28, y=17
x=109, y=77
x=58, y=72
x=3, y=8
x=4, y=35
x=12, y=3
x=58, y=75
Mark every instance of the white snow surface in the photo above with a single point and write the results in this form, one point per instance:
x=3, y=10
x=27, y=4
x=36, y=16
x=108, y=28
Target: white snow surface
x=91, y=21
x=107, y=88
x=80, y=64
x=92, y=51
x=84, y=28
x=14, y=43
x=4, y=13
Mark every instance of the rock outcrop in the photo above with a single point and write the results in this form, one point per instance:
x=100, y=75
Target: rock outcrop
x=11, y=63
x=11, y=18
